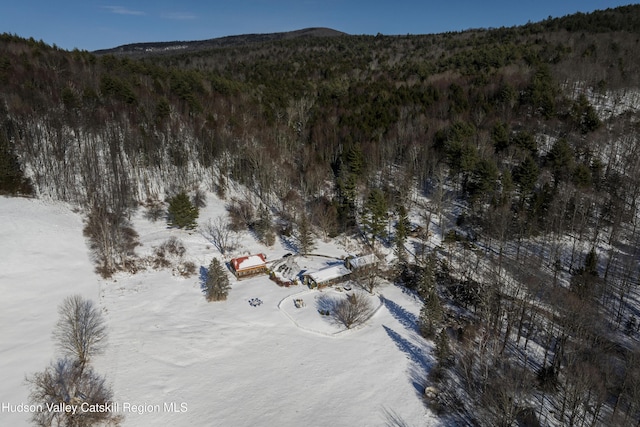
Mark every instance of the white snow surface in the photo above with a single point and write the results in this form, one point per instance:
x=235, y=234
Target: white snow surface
x=229, y=363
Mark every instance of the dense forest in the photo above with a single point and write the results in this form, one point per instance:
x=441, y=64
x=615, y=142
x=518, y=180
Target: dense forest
x=521, y=143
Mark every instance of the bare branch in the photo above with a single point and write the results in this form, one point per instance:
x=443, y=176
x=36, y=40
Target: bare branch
x=80, y=331
x=219, y=233
x=353, y=310
x=67, y=391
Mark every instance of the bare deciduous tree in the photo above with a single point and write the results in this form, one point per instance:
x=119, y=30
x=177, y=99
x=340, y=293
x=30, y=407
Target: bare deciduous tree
x=353, y=310
x=155, y=209
x=324, y=215
x=219, y=233
x=367, y=277
x=199, y=198
x=241, y=213
x=80, y=331
x=111, y=239
x=69, y=385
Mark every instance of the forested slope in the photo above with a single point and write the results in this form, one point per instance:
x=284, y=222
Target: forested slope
x=524, y=140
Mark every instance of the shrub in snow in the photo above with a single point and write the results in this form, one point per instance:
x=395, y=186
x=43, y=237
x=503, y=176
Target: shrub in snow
x=170, y=253
x=173, y=246
x=170, y=248
x=186, y=269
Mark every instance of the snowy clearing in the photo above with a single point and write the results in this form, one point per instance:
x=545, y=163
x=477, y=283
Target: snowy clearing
x=175, y=359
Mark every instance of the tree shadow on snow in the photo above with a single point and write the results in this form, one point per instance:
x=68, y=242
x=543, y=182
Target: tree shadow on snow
x=407, y=319
x=393, y=419
x=326, y=303
x=288, y=244
x=420, y=361
x=203, y=274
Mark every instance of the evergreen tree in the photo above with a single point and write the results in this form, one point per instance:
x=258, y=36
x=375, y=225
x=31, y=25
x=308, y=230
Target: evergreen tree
x=374, y=216
x=182, y=213
x=427, y=277
x=217, y=284
x=483, y=181
x=402, y=230
x=591, y=263
x=542, y=92
x=163, y=111
x=346, y=188
x=585, y=280
x=426, y=325
x=525, y=141
x=500, y=136
x=582, y=176
x=350, y=170
x=432, y=313
x=584, y=115
x=12, y=180
x=354, y=160
x=526, y=175
x=304, y=237
x=560, y=160
x=442, y=350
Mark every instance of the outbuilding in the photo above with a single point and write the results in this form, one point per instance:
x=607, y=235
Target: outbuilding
x=327, y=276
x=354, y=263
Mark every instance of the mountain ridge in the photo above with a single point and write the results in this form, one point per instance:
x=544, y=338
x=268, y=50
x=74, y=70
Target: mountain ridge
x=218, y=42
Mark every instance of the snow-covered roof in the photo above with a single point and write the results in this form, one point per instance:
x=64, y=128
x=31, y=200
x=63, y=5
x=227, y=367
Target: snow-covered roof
x=362, y=261
x=250, y=261
x=329, y=273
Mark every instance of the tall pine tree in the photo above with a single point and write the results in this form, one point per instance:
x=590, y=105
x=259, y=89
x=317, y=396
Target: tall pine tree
x=306, y=242
x=217, y=284
x=182, y=213
x=402, y=230
x=374, y=215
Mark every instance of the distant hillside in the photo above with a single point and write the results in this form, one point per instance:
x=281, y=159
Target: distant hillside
x=140, y=49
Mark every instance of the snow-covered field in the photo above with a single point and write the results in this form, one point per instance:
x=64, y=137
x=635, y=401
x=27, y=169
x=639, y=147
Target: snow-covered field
x=225, y=363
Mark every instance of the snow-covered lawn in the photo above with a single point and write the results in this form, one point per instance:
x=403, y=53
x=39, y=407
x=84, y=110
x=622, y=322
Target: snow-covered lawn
x=308, y=318
x=230, y=363
x=43, y=259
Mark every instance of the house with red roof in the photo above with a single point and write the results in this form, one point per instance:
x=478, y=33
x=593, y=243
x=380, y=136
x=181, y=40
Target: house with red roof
x=249, y=265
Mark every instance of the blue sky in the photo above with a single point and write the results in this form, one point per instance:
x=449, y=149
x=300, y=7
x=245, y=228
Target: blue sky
x=91, y=24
